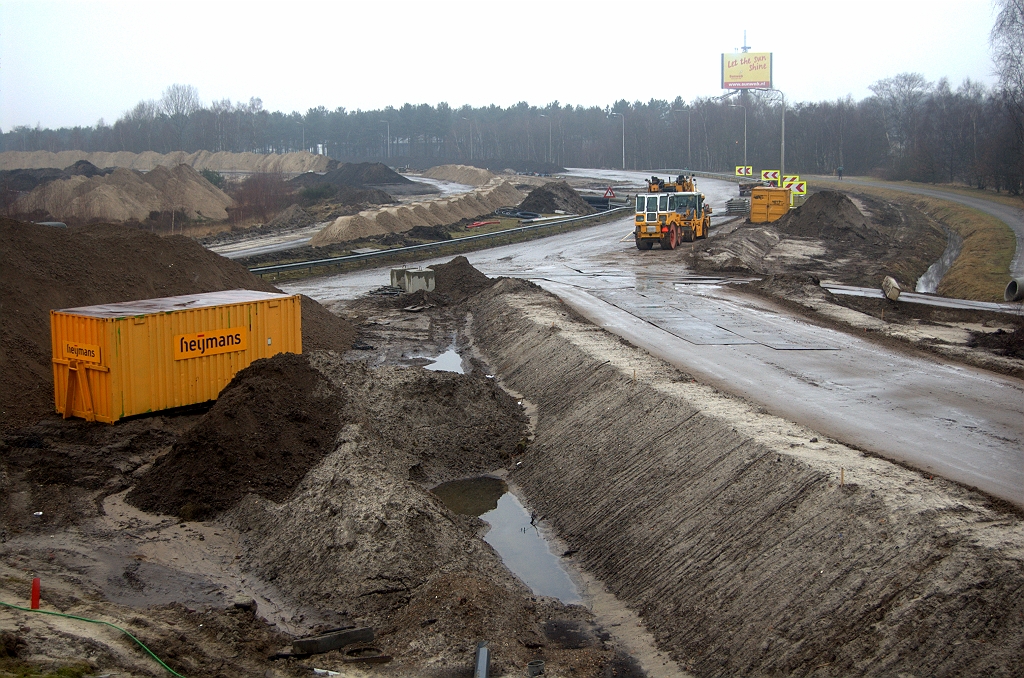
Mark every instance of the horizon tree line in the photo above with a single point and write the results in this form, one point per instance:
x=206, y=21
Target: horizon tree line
x=909, y=128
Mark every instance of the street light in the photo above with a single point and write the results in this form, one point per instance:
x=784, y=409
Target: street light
x=386, y=122
x=623, y=138
x=688, y=110
x=782, y=158
x=744, y=132
x=549, y=135
x=470, y=137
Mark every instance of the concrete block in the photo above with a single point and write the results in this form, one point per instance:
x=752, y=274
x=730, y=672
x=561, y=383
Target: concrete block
x=413, y=279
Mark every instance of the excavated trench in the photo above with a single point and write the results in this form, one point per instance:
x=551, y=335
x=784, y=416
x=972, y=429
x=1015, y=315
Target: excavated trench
x=747, y=545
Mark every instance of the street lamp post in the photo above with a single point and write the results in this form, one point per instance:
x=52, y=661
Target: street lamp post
x=549, y=135
x=623, y=138
x=688, y=110
x=388, y=123
x=782, y=145
x=782, y=159
x=744, y=130
x=470, y=137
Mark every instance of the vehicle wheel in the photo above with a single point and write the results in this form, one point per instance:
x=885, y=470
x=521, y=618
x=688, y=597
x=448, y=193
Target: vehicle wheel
x=707, y=227
x=644, y=244
x=670, y=240
x=687, y=235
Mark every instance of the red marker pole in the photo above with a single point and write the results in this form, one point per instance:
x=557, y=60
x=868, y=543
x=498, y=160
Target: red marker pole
x=35, y=593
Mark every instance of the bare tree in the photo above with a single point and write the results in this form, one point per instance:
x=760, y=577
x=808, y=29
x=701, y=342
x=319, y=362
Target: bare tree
x=178, y=103
x=900, y=99
x=1007, y=41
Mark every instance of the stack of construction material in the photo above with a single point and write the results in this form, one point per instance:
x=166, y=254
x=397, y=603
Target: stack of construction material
x=444, y=212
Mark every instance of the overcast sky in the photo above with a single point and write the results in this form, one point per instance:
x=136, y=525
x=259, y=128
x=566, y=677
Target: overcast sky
x=72, y=63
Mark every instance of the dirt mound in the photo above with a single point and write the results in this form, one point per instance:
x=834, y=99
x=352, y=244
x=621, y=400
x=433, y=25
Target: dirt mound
x=45, y=268
x=84, y=168
x=125, y=195
x=292, y=217
x=347, y=195
x=23, y=181
x=353, y=174
x=1009, y=343
x=389, y=536
x=558, y=195
x=460, y=174
x=458, y=280
x=287, y=163
x=273, y=422
x=430, y=233
x=828, y=215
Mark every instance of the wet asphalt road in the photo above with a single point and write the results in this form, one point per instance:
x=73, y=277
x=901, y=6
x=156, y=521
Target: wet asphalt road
x=954, y=421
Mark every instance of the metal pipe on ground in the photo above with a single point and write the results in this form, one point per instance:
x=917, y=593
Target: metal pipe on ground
x=1014, y=290
x=483, y=660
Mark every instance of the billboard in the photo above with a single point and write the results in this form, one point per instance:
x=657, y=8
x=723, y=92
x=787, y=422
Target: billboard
x=750, y=70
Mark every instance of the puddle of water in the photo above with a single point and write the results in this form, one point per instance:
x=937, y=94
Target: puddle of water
x=473, y=496
x=449, y=361
x=519, y=543
x=929, y=282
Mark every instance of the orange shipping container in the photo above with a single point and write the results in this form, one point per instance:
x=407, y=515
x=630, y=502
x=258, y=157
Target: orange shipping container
x=116, y=360
x=768, y=204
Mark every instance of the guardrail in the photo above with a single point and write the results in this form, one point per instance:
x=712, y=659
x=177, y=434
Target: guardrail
x=701, y=173
x=396, y=251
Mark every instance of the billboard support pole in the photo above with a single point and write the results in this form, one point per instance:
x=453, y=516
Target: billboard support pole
x=782, y=159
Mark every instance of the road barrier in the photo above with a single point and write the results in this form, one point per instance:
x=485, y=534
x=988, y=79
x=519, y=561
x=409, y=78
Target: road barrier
x=426, y=247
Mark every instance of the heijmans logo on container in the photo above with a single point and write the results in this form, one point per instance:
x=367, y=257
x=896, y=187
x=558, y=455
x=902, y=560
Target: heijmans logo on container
x=210, y=343
x=88, y=353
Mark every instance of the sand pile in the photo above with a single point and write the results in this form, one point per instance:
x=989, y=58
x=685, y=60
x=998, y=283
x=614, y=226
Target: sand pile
x=558, y=195
x=828, y=215
x=286, y=163
x=125, y=195
x=477, y=203
x=460, y=174
x=292, y=217
x=45, y=268
x=353, y=174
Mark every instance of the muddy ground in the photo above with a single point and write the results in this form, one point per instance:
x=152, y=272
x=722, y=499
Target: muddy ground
x=299, y=501
x=832, y=238
x=295, y=504
x=859, y=240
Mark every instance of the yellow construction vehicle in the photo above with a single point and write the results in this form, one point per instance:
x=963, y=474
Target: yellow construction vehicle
x=670, y=213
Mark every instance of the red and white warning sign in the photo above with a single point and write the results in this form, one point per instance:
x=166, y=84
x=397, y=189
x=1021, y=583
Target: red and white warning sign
x=799, y=188
x=770, y=175
x=609, y=193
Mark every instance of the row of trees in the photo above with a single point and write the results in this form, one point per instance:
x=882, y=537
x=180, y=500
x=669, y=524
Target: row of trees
x=909, y=128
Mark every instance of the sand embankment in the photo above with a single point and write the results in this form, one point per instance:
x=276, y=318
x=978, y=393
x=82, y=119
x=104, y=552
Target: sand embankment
x=443, y=212
x=286, y=163
x=125, y=195
x=460, y=174
x=749, y=545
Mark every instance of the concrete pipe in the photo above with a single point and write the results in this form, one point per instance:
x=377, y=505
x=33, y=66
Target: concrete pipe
x=1014, y=290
